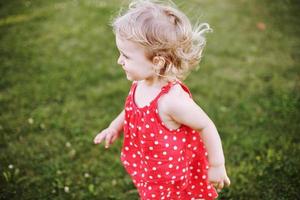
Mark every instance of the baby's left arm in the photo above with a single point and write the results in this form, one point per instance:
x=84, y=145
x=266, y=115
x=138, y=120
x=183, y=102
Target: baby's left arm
x=184, y=110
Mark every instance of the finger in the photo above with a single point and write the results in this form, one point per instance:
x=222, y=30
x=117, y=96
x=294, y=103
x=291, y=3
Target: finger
x=220, y=185
x=215, y=184
x=227, y=181
x=114, y=138
x=107, y=140
x=98, y=139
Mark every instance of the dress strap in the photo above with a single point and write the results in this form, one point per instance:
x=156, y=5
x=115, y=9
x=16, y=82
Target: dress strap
x=133, y=86
x=165, y=89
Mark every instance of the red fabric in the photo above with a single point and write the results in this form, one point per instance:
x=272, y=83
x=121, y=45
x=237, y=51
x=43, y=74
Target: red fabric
x=163, y=163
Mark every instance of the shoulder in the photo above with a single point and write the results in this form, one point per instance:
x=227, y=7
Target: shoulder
x=178, y=91
x=176, y=98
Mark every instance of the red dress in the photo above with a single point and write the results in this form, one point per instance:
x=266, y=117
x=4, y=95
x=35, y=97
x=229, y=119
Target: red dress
x=164, y=164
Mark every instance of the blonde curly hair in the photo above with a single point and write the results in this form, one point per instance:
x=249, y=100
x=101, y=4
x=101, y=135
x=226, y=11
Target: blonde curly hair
x=164, y=32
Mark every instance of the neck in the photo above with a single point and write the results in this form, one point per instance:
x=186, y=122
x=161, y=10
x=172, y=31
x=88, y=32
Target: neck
x=155, y=82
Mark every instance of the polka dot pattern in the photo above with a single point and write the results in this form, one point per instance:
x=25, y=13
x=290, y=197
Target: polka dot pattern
x=163, y=163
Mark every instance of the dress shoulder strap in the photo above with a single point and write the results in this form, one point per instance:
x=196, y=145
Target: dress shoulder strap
x=132, y=88
x=167, y=88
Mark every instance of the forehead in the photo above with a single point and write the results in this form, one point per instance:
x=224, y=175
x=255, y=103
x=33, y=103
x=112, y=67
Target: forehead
x=127, y=45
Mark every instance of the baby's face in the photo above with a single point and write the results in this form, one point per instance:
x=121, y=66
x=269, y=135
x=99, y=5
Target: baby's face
x=133, y=60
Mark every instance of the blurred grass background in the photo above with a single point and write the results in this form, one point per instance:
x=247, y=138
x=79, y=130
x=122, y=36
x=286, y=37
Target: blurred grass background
x=60, y=84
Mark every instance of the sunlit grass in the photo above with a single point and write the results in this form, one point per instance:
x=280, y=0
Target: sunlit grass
x=60, y=84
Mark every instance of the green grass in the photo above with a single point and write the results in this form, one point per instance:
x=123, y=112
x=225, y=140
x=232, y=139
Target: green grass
x=60, y=85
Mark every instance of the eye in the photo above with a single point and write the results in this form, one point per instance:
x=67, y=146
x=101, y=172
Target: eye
x=125, y=56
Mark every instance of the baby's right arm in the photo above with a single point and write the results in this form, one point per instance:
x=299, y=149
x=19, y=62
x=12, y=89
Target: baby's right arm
x=111, y=133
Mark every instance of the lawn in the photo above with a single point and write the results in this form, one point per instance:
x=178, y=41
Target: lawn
x=60, y=85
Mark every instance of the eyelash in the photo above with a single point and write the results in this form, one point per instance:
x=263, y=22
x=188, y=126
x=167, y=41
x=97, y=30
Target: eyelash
x=125, y=56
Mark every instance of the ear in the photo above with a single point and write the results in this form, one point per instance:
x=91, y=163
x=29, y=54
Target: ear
x=159, y=62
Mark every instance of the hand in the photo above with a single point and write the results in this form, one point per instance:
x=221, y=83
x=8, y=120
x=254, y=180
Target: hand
x=109, y=134
x=218, y=177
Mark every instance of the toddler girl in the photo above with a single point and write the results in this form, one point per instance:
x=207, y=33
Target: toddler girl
x=171, y=148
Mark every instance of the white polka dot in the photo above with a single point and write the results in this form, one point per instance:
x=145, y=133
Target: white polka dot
x=175, y=147
x=194, y=138
x=167, y=145
x=154, y=168
x=173, y=177
x=165, y=137
x=126, y=148
x=193, y=186
x=156, y=142
x=155, y=156
x=152, y=134
x=149, y=188
x=133, y=155
x=159, y=162
x=170, y=158
x=203, y=177
x=161, y=187
x=208, y=187
x=151, y=177
x=170, y=165
x=174, y=138
x=150, y=148
x=152, y=119
x=209, y=194
x=160, y=131
x=134, y=165
x=158, y=176
x=147, y=126
x=165, y=153
x=183, y=139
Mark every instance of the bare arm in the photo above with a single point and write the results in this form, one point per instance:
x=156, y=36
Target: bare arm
x=185, y=111
x=117, y=123
x=111, y=133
